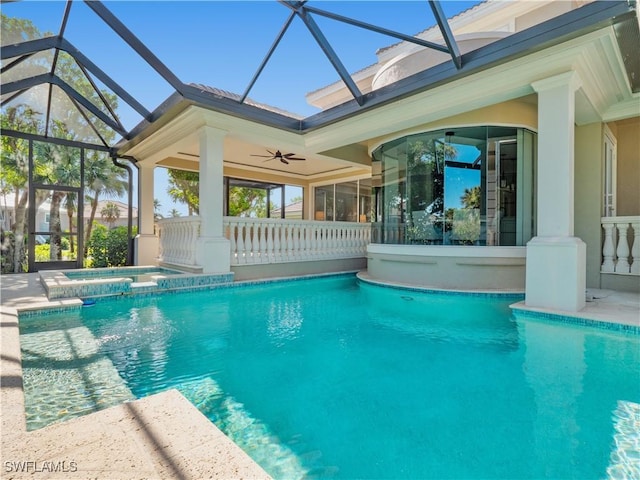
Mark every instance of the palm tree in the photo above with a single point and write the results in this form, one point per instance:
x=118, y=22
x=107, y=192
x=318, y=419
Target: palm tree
x=102, y=177
x=174, y=213
x=156, y=210
x=110, y=213
x=471, y=197
x=71, y=206
x=14, y=161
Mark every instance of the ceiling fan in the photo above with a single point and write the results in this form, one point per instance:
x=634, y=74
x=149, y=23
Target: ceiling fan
x=283, y=157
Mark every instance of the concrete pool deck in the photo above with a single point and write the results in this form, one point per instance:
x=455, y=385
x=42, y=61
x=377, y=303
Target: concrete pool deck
x=160, y=436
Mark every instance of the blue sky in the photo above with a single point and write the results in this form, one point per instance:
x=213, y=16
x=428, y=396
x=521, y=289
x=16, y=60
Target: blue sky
x=222, y=43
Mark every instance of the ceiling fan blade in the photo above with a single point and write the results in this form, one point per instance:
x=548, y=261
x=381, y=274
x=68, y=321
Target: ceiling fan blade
x=263, y=156
x=295, y=158
x=283, y=160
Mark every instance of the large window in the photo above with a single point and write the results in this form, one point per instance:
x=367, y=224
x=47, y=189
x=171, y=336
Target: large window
x=462, y=186
x=343, y=202
x=255, y=199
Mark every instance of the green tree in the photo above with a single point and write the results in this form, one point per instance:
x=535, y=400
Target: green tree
x=156, y=209
x=247, y=202
x=243, y=201
x=102, y=177
x=70, y=204
x=174, y=213
x=471, y=197
x=110, y=213
x=14, y=177
x=108, y=248
x=184, y=188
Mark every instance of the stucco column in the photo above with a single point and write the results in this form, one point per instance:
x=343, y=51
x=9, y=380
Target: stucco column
x=556, y=260
x=146, y=242
x=213, y=248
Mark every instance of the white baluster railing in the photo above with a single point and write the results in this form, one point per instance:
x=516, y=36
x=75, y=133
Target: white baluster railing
x=621, y=245
x=178, y=238
x=268, y=240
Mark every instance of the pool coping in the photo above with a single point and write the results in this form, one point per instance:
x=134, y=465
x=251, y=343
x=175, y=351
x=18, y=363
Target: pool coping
x=604, y=315
x=498, y=293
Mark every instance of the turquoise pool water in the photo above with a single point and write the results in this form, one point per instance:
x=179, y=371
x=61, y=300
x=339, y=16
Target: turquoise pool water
x=328, y=378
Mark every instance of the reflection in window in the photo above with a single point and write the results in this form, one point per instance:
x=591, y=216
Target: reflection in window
x=468, y=186
x=344, y=202
x=255, y=199
x=323, y=203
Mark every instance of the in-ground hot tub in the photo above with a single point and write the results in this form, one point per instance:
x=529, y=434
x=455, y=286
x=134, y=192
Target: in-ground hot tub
x=123, y=280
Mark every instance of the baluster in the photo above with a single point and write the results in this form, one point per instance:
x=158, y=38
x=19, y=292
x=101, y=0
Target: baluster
x=282, y=245
x=295, y=242
x=160, y=246
x=161, y=239
x=333, y=241
x=174, y=242
x=290, y=252
x=233, y=242
x=635, y=249
x=269, y=233
x=302, y=239
x=177, y=251
x=608, y=250
x=321, y=243
x=356, y=239
x=262, y=242
x=248, y=245
x=192, y=245
x=313, y=247
x=326, y=240
x=307, y=240
x=240, y=243
x=622, y=252
x=247, y=242
x=255, y=242
x=180, y=239
x=168, y=238
x=277, y=249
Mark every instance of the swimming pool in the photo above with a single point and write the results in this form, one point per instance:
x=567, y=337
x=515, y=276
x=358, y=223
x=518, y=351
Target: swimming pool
x=328, y=378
